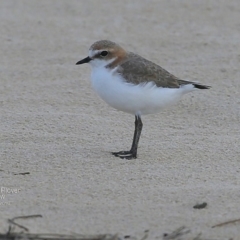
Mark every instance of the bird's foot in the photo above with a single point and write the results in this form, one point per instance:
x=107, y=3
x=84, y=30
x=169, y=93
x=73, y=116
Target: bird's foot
x=125, y=155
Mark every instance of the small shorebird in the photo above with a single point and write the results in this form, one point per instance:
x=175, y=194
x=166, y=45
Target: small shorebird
x=133, y=84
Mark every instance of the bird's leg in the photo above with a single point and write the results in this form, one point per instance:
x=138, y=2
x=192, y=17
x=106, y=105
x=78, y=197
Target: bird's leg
x=137, y=134
x=133, y=152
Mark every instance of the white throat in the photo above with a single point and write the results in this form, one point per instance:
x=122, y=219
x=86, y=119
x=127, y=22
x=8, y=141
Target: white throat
x=100, y=63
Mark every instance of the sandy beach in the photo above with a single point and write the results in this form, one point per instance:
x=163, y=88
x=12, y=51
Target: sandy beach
x=55, y=128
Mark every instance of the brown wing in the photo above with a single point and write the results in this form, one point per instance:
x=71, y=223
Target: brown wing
x=137, y=70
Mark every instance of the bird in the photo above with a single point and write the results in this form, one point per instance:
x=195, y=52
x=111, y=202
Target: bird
x=130, y=83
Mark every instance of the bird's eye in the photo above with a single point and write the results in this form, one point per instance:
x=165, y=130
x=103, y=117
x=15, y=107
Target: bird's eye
x=104, y=53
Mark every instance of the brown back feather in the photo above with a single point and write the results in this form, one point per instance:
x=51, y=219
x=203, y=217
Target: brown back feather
x=137, y=70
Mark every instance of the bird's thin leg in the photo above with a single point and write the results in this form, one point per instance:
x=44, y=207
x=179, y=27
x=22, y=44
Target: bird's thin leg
x=137, y=134
x=133, y=151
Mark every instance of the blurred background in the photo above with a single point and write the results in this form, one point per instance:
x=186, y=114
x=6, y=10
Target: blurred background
x=55, y=127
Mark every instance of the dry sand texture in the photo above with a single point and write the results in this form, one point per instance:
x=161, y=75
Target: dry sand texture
x=55, y=127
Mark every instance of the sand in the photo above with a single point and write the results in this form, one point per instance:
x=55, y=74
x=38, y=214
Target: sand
x=55, y=127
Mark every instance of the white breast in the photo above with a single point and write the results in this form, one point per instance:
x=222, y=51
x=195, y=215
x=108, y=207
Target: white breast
x=135, y=99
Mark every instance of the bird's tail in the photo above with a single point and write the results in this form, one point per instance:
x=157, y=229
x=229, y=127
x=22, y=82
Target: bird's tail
x=196, y=85
x=200, y=86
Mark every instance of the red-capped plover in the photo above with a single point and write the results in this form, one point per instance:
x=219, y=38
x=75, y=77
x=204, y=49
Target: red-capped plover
x=133, y=84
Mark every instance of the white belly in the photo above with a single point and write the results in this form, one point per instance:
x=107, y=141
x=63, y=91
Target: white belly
x=135, y=99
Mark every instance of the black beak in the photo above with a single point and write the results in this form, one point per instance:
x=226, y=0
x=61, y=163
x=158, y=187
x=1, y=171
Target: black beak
x=85, y=60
